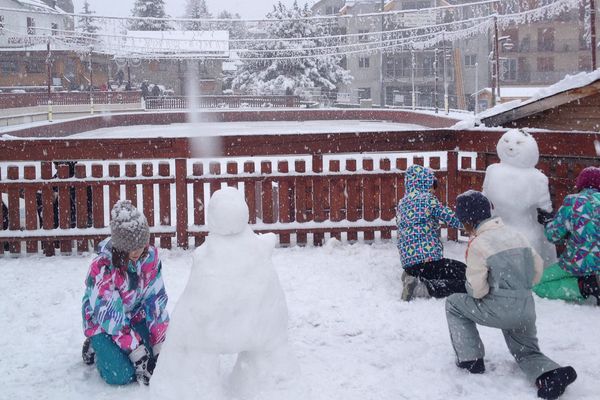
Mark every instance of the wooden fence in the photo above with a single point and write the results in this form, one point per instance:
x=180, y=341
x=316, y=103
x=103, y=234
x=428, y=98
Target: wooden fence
x=183, y=102
x=302, y=187
x=15, y=100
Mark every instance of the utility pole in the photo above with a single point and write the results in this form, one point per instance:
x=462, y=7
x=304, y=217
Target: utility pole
x=412, y=78
x=446, y=103
x=435, y=83
x=381, y=73
x=496, y=64
x=476, y=88
x=49, y=79
x=91, y=82
x=593, y=32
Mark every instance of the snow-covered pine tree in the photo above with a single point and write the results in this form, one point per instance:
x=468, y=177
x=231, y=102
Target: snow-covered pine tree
x=149, y=9
x=295, y=74
x=196, y=9
x=86, y=25
x=237, y=29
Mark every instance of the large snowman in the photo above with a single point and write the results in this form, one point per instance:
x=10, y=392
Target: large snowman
x=516, y=189
x=233, y=304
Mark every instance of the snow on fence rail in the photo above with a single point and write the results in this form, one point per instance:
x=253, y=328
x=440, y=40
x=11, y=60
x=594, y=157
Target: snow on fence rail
x=183, y=102
x=302, y=187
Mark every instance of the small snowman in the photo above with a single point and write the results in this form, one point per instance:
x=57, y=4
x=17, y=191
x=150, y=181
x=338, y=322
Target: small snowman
x=233, y=304
x=517, y=189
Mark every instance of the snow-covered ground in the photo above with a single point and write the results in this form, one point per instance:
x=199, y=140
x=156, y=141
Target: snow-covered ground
x=354, y=338
x=247, y=128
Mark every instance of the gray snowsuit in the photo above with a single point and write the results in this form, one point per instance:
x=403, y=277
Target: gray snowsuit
x=501, y=268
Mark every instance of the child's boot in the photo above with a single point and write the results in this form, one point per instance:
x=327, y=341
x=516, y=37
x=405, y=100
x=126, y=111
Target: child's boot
x=409, y=284
x=589, y=285
x=553, y=383
x=474, y=366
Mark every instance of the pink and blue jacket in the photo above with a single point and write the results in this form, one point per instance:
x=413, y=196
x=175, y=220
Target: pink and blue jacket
x=115, y=299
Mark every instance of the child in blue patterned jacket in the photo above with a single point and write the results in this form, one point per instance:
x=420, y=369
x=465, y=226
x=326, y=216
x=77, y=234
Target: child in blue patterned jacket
x=421, y=252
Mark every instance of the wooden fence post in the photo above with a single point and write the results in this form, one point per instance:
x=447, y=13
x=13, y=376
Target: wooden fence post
x=181, y=202
x=321, y=196
x=31, y=217
x=164, y=194
x=453, y=187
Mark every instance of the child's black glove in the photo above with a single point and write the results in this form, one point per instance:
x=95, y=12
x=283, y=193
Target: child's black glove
x=87, y=352
x=544, y=217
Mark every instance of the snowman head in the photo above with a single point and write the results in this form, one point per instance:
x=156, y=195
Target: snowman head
x=518, y=148
x=227, y=212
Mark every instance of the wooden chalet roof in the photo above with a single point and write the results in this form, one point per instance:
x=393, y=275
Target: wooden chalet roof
x=525, y=113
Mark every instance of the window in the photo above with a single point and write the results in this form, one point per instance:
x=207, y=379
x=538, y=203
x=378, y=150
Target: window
x=363, y=35
x=508, y=69
x=35, y=67
x=363, y=62
x=545, y=64
x=364, y=93
x=54, y=27
x=585, y=63
x=428, y=64
x=546, y=39
x=330, y=10
x=1, y=24
x=9, y=67
x=30, y=26
x=512, y=42
x=525, y=45
x=470, y=60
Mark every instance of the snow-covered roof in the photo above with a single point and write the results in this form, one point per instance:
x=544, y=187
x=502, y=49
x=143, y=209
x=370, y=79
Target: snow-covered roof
x=524, y=92
x=39, y=5
x=570, y=82
x=208, y=43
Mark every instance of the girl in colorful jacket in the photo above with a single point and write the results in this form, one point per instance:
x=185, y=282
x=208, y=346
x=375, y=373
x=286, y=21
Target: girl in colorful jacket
x=124, y=306
x=421, y=251
x=576, y=276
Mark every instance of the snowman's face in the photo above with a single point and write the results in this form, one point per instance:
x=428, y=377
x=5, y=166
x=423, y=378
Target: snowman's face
x=518, y=148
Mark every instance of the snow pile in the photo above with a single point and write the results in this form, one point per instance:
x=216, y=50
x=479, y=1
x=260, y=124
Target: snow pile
x=233, y=304
x=354, y=338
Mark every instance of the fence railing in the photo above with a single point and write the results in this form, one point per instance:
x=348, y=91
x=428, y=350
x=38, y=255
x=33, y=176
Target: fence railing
x=302, y=187
x=183, y=102
x=17, y=100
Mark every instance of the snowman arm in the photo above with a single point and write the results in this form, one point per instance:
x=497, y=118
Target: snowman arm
x=544, y=202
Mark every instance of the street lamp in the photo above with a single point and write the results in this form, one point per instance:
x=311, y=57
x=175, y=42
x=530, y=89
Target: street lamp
x=506, y=43
x=49, y=78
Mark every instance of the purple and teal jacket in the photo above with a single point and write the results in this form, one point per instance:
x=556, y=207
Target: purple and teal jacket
x=577, y=223
x=417, y=216
x=115, y=299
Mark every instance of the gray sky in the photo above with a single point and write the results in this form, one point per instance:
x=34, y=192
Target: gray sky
x=246, y=8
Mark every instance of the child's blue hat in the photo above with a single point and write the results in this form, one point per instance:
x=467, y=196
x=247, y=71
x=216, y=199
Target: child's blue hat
x=472, y=207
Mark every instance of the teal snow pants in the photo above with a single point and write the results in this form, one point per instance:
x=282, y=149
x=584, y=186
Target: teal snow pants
x=112, y=362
